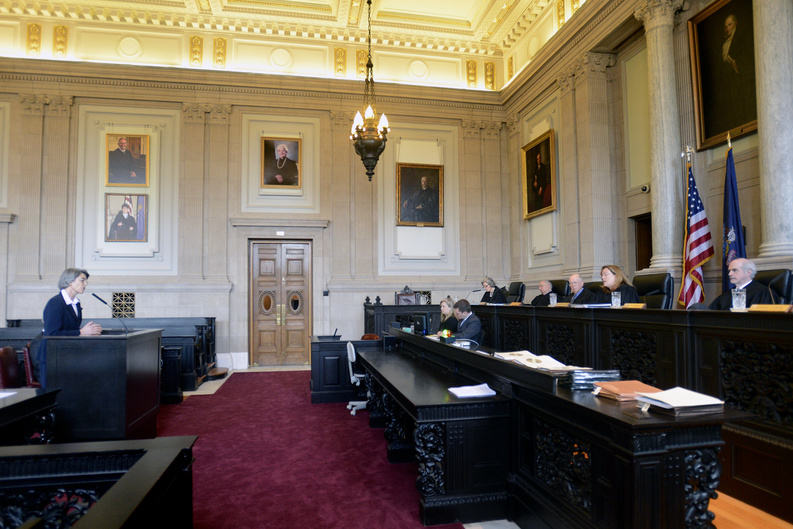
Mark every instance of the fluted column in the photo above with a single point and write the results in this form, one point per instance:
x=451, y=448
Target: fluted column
x=25, y=151
x=473, y=200
x=773, y=40
x=658, y=17
x=342, y=189
x=191, y=190
x=568, y=170
x=57, y=239
x=598, y=213
x=216, y=185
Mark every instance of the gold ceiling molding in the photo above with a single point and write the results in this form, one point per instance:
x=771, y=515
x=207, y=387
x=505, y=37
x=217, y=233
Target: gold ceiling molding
x=34, y=40
x=60, y=41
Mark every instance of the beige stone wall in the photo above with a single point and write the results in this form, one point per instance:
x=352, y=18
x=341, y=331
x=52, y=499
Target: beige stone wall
x=209, y=208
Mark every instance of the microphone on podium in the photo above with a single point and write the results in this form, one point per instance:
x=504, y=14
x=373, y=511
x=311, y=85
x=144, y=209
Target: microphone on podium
x=126, y=331
x=476, y=290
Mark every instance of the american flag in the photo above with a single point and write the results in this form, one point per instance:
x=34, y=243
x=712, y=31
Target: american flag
x=698, y=247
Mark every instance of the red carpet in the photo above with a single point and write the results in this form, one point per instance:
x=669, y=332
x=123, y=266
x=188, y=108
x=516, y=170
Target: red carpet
x=267, y=458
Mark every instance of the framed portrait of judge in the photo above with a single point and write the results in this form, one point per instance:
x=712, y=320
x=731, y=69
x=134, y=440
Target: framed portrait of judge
x=539, y=176
x=127, y=157
x=419, y=195
x=126, y=218
x=721, y=42
x=280, y=163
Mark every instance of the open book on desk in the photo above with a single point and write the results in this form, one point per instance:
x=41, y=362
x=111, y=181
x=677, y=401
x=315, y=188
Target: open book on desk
x=542, y=362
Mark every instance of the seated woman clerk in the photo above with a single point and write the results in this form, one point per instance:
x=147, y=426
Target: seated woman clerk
x=448, y=321
x=614, y=280
x=493, y=294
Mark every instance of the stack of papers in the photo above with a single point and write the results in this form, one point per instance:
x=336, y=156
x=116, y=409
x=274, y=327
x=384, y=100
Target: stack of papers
x=680, y=402
x=586, y=378
x=622, y=390
x=542, y=362
x=482, y=390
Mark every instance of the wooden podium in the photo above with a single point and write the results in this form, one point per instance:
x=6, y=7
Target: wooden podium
x=109, y=385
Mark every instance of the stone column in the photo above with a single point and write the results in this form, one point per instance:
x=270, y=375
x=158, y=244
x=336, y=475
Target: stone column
x=473, y=203
x=668, y=206
x=773, y=41
x=598, y=211
x=342, y=188
x=57, y=238
x=191, y=190
x=216, y=184
x=568, y=174
x=26, y=150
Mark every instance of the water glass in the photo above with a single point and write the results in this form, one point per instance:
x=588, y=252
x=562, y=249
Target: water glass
x=738, y=298
x=616, y=299
x=552, y=298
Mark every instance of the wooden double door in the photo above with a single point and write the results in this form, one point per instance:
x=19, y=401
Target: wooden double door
x=281, y=303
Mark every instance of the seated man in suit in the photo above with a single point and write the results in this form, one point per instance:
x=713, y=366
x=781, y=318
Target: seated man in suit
x=741, y=272
x=578, y=294
x=469, y=326
x=544, y=298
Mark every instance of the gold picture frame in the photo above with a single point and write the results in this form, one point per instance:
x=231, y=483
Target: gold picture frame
x=419, y=195
x=539, y=176
x=126, y=217
x=127, y=160
x=721, y=42
x=280, y=163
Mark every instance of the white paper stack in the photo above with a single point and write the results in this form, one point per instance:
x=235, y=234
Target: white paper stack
x=680, y=402
x=482, y=390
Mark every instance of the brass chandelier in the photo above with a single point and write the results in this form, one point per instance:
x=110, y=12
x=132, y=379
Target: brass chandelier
x=367, y=134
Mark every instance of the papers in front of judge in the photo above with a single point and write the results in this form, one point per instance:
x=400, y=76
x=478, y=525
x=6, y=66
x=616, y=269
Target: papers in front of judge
x=543, y=362
x=622, y=390
x=680, y=402
x=481, y=390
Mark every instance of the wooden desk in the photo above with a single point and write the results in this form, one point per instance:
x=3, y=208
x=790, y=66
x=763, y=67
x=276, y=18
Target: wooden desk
x=744, y=358
x=26, y=413
x=577, y=461
x=140, y=484
x=461, y=445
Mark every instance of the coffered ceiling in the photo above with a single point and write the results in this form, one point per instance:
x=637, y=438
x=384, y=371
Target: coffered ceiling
x=480, y=27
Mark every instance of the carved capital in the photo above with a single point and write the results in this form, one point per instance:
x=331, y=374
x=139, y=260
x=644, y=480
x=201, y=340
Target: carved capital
x=471, y=129
x=513, y=122
x=192, y=113
x=491, y=129
x=219, y=114
x=32, y=105
x=341, y=120
x=593, y=65
x=654, y=13
x=566, y=81
x=59, y=105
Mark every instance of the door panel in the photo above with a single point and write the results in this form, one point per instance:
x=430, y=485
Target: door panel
x=281, y=318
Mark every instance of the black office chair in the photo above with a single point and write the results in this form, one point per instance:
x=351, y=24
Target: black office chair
x=516, y=292
x=656, y=290
x=561, y=287
x=595, y=287
x=779, y=282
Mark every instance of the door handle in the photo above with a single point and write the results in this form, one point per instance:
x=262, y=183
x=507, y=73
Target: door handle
x=277, y=315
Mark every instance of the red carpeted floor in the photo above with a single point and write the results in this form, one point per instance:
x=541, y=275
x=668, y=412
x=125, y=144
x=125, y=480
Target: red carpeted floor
x=267, y=458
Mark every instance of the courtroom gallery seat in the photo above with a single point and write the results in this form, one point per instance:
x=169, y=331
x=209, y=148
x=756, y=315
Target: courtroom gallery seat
x=516, y=292
x=355, y=379
x=9, y=368
x=779, y=283
x=656, y=290
x=29, y=378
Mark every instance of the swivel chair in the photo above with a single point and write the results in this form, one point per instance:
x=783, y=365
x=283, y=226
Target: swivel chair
x=516, y=292
x=355, y=380
x=656, y=290
x=29, y=376
x=561, y=287
x=779, y=284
